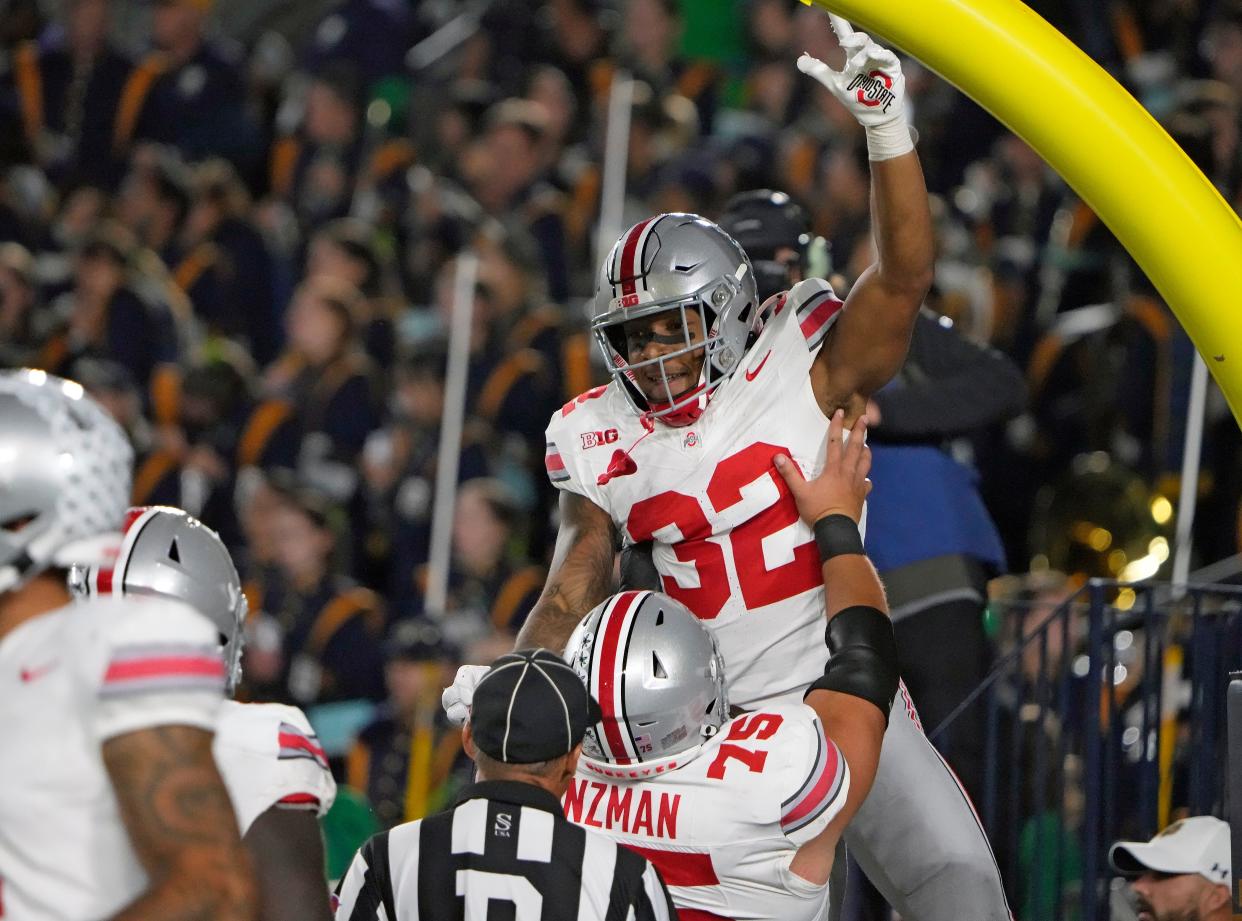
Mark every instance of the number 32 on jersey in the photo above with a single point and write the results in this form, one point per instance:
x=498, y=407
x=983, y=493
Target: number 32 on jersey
x=706, y=535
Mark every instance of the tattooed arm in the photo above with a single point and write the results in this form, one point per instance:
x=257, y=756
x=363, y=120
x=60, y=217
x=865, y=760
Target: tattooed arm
x=182, y=827
x=580, y=576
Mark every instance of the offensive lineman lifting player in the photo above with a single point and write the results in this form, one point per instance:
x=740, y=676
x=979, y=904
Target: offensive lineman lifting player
x=708, y=387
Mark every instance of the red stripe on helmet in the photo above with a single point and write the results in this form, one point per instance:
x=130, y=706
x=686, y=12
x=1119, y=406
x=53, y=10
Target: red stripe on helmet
x=608, y=685
x=133, y=515
x=628, y=252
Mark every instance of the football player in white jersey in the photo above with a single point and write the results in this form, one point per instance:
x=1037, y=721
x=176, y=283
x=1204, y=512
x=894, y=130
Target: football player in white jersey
x=276, y=772
x=111, y=806
x=709, y=384
x=741, y=816
x=708, y=387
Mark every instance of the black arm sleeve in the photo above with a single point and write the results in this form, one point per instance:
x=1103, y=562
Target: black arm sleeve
x=950, y=386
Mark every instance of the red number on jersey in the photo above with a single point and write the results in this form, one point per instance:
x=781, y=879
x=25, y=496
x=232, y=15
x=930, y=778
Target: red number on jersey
x=751, y=758
x=673, y=508
x=760, y=726
x=582, y=398
x=760, y=586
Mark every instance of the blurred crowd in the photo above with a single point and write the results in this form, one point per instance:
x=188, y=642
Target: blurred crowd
x=242, y=232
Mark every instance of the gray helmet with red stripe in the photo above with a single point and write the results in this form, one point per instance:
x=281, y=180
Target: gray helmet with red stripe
x=168, y=553
x=659, y=679
x=676, y=262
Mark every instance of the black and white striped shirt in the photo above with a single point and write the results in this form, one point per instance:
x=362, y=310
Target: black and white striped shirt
x=505, y=851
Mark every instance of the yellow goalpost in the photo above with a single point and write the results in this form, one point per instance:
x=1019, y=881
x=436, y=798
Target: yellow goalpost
x=1102, y=142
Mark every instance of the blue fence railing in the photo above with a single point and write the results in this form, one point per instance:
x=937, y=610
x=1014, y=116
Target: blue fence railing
x=1105, y=719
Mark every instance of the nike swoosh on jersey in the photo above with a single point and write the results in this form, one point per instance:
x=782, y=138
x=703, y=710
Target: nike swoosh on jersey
x=751, y=375
x=34, y=674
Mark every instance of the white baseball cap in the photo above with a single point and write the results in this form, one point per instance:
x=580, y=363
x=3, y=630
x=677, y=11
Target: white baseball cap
x=1196, y=845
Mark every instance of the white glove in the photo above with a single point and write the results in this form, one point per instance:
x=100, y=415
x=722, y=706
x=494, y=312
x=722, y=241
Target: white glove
x=871, y=86
x=458, y=696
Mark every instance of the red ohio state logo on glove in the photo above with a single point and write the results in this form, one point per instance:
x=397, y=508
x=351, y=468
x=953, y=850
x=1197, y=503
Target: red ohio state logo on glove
x=871, y=91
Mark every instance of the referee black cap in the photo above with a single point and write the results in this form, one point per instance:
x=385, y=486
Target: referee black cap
x=530, y=706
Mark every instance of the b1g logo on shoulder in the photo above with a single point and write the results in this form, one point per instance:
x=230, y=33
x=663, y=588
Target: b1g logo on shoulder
x=595, y=439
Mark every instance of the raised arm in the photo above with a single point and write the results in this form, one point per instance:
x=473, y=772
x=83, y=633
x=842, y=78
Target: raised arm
x=852, y=699
x=868, y=343
x=581, y=575
x=181, y=825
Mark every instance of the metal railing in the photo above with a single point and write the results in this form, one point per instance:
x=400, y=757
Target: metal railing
x=1105, y=719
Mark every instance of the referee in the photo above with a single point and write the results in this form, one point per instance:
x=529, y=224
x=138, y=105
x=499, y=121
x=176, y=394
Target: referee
x=506, y=846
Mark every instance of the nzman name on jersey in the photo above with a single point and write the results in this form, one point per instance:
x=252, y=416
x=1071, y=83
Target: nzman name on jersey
x=622, y=808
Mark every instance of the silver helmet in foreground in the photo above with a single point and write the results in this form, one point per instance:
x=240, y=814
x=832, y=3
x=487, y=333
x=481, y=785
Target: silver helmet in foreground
x=168, y=553
x=659, y=679
x=676, y=262
x=65, y=474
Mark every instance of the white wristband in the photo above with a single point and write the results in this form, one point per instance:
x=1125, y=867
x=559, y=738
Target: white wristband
x=891, y=139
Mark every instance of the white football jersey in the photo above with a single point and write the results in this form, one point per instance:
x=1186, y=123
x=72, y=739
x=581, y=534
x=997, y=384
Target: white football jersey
x=728, y=542
x=70, y=680
x=269, y=756
x=723, y=829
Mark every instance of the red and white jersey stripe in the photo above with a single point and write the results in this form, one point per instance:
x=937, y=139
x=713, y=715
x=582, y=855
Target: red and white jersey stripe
x=269, y=755
x=553, y=463
x=71, y=680
x=818, y=791
x=296, y=742
x=818, y=312
x=724, y=827
x=144, y=669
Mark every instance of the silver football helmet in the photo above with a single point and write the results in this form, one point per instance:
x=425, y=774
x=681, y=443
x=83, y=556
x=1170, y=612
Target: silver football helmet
x=167, y=553
x=659, y=679
x=65, y=476
x=676, y=262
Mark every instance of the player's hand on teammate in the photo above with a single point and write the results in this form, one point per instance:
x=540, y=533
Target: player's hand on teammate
x=870, y=85
x=458, y=696
x=842, y=486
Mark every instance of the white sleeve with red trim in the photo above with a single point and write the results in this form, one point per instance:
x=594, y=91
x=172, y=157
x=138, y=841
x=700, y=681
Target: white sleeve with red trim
x=816, y=308
x=583, y=436
x=269, y=755
x=822, y=778
x=149, y=662
x=795, y=325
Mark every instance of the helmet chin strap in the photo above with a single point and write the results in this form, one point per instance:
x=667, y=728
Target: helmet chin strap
x=622, y=463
